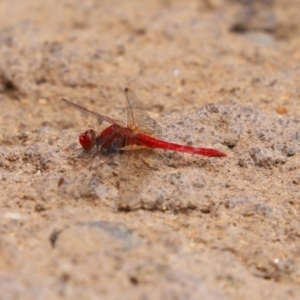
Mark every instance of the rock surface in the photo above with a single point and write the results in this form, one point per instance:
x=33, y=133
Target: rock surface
x=217, y=74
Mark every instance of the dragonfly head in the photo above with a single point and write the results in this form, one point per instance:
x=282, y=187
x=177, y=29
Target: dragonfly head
x=87, y=139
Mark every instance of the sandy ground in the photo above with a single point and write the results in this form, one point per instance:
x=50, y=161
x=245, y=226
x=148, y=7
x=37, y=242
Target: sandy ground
x=213, y=73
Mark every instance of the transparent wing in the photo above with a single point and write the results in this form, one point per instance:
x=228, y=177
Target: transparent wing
x=136, y=162
x=90, y=112
x=132, y=178
x=136, y=169
x=137, y=117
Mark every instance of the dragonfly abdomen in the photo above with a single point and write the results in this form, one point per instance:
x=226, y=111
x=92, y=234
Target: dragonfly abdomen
x=160, y=144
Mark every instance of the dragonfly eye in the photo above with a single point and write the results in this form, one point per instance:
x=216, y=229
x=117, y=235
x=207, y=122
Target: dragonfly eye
x=87, y=139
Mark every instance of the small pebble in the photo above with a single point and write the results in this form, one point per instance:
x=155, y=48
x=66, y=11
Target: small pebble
x=281, y=110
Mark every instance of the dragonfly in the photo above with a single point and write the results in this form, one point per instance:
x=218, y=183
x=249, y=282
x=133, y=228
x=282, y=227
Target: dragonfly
x=132, y=138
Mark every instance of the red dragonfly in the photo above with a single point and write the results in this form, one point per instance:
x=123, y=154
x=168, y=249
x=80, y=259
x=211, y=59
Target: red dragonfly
x=126, y=138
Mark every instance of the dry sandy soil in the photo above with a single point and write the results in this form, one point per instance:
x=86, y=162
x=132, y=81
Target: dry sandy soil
x=212, y=73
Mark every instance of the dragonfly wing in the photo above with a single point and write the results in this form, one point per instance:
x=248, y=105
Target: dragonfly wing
x=138, y=118
x=134, y=176
x=90, y=112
